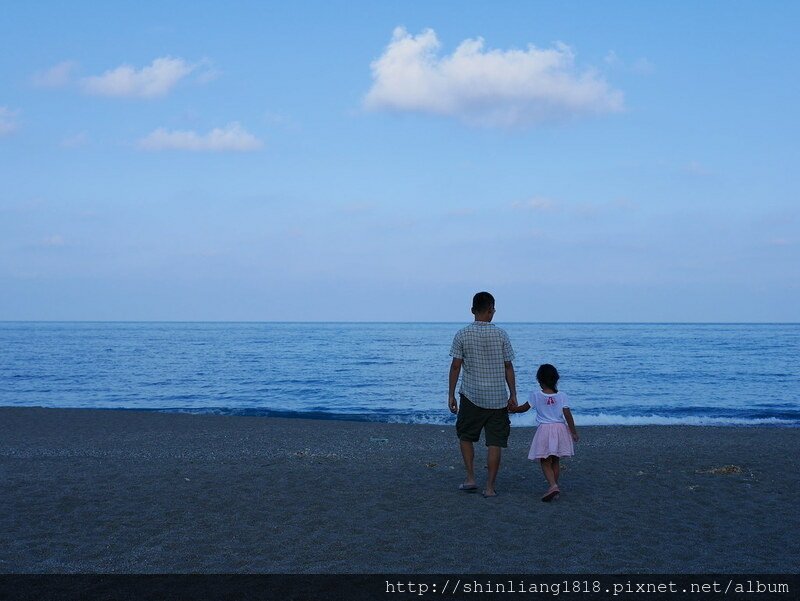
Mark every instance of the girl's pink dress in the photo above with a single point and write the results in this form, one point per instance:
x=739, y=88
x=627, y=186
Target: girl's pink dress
x=552, y=434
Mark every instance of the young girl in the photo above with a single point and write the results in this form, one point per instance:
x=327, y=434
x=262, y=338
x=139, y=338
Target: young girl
x=552, y=440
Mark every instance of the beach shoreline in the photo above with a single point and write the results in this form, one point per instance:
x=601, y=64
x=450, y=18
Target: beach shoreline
x=99, y=491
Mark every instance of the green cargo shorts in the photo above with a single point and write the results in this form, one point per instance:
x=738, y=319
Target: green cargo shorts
x=472, y=419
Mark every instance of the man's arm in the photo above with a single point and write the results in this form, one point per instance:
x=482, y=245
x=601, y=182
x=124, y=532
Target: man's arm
x=455, y=370
x=511, y=380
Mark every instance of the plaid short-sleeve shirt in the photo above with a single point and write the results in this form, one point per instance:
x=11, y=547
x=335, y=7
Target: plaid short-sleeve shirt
x=484, y=348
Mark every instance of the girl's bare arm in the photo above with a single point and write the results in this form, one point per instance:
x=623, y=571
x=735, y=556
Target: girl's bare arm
x=571, y=424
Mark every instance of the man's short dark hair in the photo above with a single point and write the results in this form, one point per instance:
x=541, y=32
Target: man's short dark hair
x=482, y=302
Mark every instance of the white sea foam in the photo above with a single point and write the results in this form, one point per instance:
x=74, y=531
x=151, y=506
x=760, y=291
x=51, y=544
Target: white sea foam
x=609, y=419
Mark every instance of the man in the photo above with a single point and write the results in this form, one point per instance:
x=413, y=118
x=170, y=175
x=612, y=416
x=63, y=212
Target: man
x=485, y=353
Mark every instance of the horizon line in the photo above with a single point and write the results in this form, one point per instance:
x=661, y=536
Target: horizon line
x=237, y=321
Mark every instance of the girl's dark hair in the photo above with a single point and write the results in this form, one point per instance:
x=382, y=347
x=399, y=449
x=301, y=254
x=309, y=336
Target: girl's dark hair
x=548, y=376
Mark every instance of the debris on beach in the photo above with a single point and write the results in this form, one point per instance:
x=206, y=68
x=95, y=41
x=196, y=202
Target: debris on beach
x=731, y=470
x=725, y=470
x=382, y=440
x=430, y=465
x=308, y=453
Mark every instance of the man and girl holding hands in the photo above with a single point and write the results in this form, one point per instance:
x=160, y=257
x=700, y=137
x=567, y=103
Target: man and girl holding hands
x=488, y=394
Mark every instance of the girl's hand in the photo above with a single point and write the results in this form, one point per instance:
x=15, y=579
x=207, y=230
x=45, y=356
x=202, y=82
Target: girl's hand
x=575, y=437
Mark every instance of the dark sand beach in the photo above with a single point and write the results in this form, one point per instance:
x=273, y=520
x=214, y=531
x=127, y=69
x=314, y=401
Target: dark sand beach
x=87, y=491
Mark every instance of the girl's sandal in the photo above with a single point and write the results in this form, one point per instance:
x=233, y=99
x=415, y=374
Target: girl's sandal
x=551, y=494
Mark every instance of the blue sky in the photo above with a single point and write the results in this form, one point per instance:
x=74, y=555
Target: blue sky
x=584, y=161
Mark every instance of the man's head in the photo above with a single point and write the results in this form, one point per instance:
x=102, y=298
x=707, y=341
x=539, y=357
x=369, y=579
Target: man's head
x=483, y=306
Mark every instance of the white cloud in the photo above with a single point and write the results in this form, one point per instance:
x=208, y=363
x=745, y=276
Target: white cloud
x=357, y=208
x=8, y=122
x=486, y=87
x=207, y=72
x=697, y=168
x=56, y=76
x=640, y=66
x=53, y=241
x=152, y=81
x=461, y=212
x=31, y=205
x=232, y=137
x=282, y=121
x=643, y=66
x=612, y=59
x=537, y=204
x=597, y=209
x=79, y=140
x=399, y=223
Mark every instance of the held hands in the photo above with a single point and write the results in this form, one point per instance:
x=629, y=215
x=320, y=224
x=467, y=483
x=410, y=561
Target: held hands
x=516, y=408
x=512, y=404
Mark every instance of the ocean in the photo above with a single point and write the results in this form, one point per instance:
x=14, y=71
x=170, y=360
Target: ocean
x=614, y=374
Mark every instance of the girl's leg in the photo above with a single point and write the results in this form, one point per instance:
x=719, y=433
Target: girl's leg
x=556, y=466
x=549, y=473
x=547, y=469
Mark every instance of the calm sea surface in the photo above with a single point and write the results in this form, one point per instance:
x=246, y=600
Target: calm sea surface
x=717, y=374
